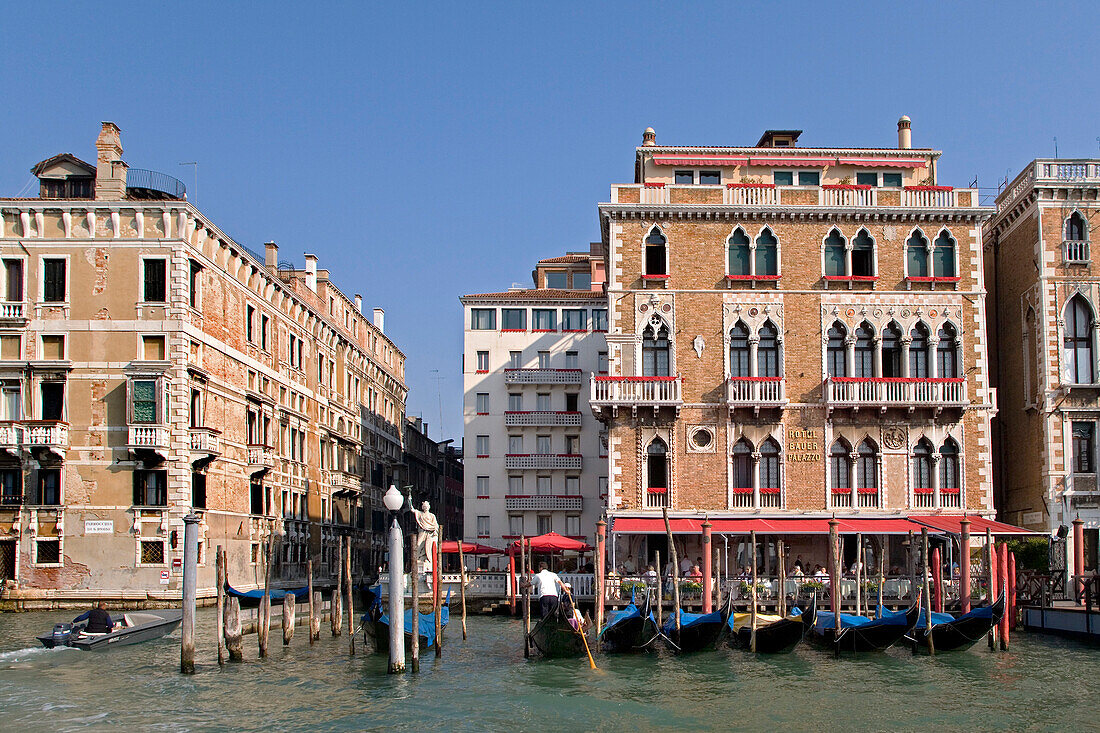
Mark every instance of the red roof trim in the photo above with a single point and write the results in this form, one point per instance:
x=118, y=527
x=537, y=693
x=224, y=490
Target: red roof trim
x=884, y=162
x=750, y=185
x=847, y=186
x=929, y=188
x=718, y=160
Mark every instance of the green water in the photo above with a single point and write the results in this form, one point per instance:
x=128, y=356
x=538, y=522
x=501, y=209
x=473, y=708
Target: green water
x=485, y=684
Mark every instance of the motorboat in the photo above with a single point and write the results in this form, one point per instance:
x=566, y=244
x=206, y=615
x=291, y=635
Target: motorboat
x=131, y=628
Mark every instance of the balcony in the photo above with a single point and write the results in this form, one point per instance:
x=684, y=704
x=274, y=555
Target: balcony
x=13, y=312
x=11, y=436
x=885, y=392
x=542, y=419
x=1076, y=252
x=206, y=445
x=551, y=461
x=756, y=392
x=770, y=498
x=149, y=442
x=845, y=195
x=47, y=435
x=518, y=502
x=543, y=376
x=932, y=499
x=260, y=458
x=656, y=498
x=344, y=483
x=762, y=194
x=146, y=184
x=751, y=194
x=635, y=392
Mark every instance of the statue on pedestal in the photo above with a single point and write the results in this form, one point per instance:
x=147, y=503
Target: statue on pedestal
x=427, y=535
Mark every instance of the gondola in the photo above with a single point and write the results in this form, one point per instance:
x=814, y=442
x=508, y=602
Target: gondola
x=774, y=634
x=956, y=633
x=698, y=631
x=131, y=628
x=554, y=636
x=252, y=598
x=862, y=634
x=629, y=629
x=376, y=623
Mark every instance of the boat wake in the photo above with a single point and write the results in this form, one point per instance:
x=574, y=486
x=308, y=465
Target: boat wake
x=20, y=656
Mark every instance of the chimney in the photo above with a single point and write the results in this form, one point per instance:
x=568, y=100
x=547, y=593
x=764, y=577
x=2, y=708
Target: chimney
x=380, y=319
x=271, y=255
x=649, y=137
x=905, y=135
x=110, y=171
x=359, y=303
x=311, y=272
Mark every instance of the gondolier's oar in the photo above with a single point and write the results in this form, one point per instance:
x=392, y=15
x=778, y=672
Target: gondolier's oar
x=591, y=661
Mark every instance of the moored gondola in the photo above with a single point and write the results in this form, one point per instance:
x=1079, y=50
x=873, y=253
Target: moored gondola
x=774, y=634
x=862, y=634
x=956, y=633
x=556, y=636
x=376, y=623
x=252, y=598
x=629, y=630
x=698, y=631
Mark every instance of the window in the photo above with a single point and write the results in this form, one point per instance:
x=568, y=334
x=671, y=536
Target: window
x=949, y=465
x=53, y=400
x=54, y=280
x=515, y=402
x=891, y=350
x=947, y=362
x=544, y=360
x=515, y=359
x=515, y=525
x=655, y=259
x=250, y=323
x=571, y=400
x=515, y=485
x=685, y=177
x=49, y=487
x=601, y=362
x=151, y=488
x=582, y=280
x=482, y=403
x=739, y=350
x=783, y=178
x=769, y=465
x=602, y=486
x=53, y=348
x=655, y=351
x=11, y=401
x=193, y=284
x=574, y=319
x=572, y=526
x=1075, y=228
x=481, y=445
x=264, y=324
x=943, y=256
x=514, y=319
x=483, y=319
x=710, y=178
x=866, y=179
x=837, y=351
x=198, y=490
x=863, y=255
x=13, y=276
x=767, y=253
x=571, y=360
x=891, y=180
x=737, y=249
x=545, y=524
x=543, y=319
x=864, y=361
x=483, y=361
x=867, y=466
x=809, y=178
x=918, y=352
x=483, y=526
x=543, y=486
x=742, y=465
x=767, y=351
x=155, y=272
x=152, y=348
x=572, y=445
x=922, y=465
x=657, y=465
x=599, y=319
x=11, y=347
x=557, y=280
x=835, y=257
x=572, y=485
x=47, y=552
x=483, y=486
x=143, y=401
x=916, y=255
x=542, y=444
x=1077, y=352
x=542, y=402
x=11, y=487
x=840, y=476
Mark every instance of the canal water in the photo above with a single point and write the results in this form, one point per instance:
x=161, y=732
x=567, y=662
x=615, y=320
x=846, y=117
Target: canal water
x=484, y=683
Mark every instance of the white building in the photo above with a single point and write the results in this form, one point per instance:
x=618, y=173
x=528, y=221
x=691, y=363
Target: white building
x=535, y=456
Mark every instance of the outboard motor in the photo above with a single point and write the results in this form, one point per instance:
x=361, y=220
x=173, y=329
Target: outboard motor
x=62, y=633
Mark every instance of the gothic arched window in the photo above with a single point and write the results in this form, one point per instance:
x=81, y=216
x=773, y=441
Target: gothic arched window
x=1077, y=352
x=769, y=465
x=742, y=465
x=767, y=351
x=943, y=255
x=840, y=475
x=863, y=254
x=834, y=254
x=947, y=352
x=891, y=350
x=738, y=253
x=918, y=352
x=657, y=465
x=1075, y=227
x=835, y=350
x=767, y=253
x=867, y=466
x=916, y=255
x=864, y=352
x=739, y=350
x=949, y=465
x=655, y=351
x=655, y=253
x=922, y=464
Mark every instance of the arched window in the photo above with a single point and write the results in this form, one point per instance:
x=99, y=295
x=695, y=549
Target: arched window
x=655, y=351
x=891, y=350
x=864, y=352
x=742, y=465
x=1031, y=359
x=769, y=465
x=918, y=352
x=767, y=253
x=738, y=250
x=1077, y=351
x=840, y=476
x=739, y=350
x=655, y=260
x=949, y=465
x=943, y=255
x=863, y=254
x=922, y=464
x=835, y=350
x=1075, y=228
x=657, y=465
x=947, y=352
x=916, y=255
x=867, y=466
x=767, y=351
x=834, y=255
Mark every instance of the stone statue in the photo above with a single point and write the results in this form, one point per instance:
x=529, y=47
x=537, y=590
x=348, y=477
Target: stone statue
x=427, y=532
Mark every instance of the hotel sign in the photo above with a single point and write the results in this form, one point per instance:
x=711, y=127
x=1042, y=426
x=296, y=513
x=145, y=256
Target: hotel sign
x=803, y=446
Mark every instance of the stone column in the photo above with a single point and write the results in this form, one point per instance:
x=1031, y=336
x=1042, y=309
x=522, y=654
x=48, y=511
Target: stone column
x=755, y=479
x=853, y=462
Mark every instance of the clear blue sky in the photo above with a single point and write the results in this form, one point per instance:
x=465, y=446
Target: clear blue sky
x=424, y=151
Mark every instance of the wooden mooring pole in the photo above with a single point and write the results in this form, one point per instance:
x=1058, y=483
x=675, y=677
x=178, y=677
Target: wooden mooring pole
x=314, y=606
x=675, y=560
x=525, y=587
x=289, y=602
x=991, y=578
x=859, y=573
x=334, y=602
x=414, y=626
x=219, y=578
x=927, y=591
x=462, y=586
x=437, y=597
x=265, y=602
x=660, y=582
x=964, y=563
x=601, y=573
x=1002, y=573
x=781, y=596
x=234, y=639
x=834, y=581
x=752, y=611
x=349, y=597
x=190, y=570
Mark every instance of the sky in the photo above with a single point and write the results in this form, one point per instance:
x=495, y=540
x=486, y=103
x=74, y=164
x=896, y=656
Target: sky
x=428, y=150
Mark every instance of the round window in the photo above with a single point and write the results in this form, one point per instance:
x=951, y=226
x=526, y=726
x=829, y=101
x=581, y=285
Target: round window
x=701, y=438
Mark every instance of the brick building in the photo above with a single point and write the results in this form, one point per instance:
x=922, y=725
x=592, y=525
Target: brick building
x=150, y=365
x=794, y=333
x=1043, y=284
x=535, y=461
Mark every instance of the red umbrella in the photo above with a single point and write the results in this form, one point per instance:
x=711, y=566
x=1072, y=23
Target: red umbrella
x=469, y=548
x=552, y=542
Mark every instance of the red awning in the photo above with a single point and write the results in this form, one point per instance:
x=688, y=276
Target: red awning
x=884, y=162
x=551, y=542
x=794, y=162
x=469, y=548
x=700, y=160
x=952, y=523
x=770, y=525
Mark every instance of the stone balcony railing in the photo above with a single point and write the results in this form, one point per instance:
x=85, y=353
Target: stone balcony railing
x=13, y=311
x=518, y=502
x=550, y=461
x=884, y=392
x=756, y=392
x=543, y=376
x=11, y=434
x=344, y=482
x=149, y=436
x=205, y=440
x=634, y=392
x=1076, y=252
x=826, y=195
x=260, y=457
x=542, y=418
x=46, y=433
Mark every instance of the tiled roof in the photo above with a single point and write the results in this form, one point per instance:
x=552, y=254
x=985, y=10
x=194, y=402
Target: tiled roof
x=540, y=294
x=566, y=258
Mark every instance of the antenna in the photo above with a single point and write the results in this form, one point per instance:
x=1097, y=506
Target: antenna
x=439, y=394
x=195, y=163
x=1056, y=147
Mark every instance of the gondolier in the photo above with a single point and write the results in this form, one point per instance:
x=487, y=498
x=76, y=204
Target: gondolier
x=548, y=585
